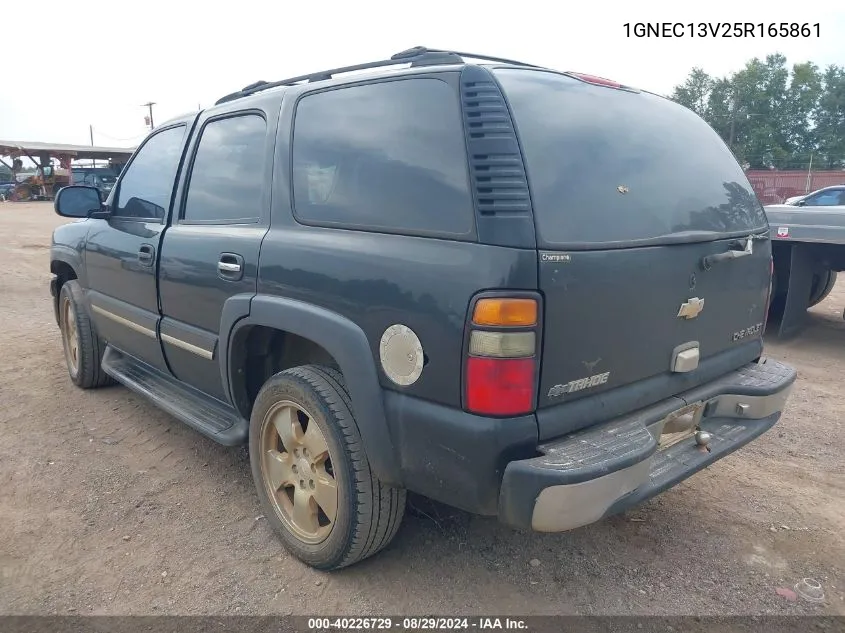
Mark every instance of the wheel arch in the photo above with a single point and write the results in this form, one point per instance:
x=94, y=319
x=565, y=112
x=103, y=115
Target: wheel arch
x=341, y=338
x=65, y=267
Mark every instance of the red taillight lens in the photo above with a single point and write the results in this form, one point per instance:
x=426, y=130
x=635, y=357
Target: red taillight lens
x=500, y=386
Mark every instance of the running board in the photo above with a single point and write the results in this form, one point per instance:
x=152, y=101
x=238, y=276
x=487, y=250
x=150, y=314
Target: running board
x=212, y=418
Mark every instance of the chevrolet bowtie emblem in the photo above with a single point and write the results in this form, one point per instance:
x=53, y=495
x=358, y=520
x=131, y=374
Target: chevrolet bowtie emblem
x=691, y=309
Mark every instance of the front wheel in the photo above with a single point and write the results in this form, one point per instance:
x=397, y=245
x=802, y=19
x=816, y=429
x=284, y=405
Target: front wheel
x=311, y=472
x=83, y=348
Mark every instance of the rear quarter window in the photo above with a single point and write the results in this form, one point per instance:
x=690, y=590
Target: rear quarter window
x=384, y=156
x=608, y=166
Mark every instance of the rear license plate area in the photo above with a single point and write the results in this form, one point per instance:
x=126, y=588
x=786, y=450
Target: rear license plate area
x=680, y=425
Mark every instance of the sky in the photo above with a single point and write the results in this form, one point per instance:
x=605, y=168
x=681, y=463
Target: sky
x=95, y=64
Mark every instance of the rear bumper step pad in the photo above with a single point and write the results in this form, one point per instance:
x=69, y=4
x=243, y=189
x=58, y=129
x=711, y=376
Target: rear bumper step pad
x=603, y=470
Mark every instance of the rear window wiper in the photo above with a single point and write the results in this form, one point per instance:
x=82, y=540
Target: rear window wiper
x=744, y=249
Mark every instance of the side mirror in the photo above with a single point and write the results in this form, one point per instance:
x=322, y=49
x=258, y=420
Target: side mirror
x=801, y=203
x=77, y=201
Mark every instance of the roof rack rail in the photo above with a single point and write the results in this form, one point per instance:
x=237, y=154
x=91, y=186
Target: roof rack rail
x=487, y=58
x=416, y=56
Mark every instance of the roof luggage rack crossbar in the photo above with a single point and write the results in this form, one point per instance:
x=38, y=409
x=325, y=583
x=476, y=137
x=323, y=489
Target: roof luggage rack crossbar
x=417, y=56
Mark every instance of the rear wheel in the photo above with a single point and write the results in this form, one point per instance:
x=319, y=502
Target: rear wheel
x=83, y=348
x=311, y=472
x=823, y=283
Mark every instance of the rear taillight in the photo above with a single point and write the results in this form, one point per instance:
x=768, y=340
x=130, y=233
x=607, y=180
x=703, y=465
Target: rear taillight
x=501, y=366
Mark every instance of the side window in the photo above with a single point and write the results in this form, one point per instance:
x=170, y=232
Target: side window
x=227, y=176
x=147, y=185
x=387, y=156
x=824, y=199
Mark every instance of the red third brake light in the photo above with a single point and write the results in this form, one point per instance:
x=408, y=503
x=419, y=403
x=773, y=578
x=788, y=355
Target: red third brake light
x=598, y=81
x=498, y=386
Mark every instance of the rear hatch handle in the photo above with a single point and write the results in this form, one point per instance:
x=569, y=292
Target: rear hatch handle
x=743, y=249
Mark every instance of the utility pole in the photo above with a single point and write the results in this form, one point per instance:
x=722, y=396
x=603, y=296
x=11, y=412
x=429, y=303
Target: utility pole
x=809, y=175
x=91, y=134
x=150, y=105
x=733, y=125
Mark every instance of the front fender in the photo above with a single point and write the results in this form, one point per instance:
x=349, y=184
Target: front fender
x=70, y=256
x=349, y=346
x=63, y=257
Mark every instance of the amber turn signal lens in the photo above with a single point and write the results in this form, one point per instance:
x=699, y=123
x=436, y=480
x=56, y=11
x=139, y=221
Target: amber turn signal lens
x=505, y=312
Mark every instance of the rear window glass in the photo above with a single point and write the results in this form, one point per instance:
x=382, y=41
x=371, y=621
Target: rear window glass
x=608, y=165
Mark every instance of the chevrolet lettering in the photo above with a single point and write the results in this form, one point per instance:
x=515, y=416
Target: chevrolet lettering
x=749, y=331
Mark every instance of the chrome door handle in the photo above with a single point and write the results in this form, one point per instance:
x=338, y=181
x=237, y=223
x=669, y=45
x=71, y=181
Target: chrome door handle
x=228, y=267
x=146, y=254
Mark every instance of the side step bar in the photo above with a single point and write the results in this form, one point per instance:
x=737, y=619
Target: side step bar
x=212, y=418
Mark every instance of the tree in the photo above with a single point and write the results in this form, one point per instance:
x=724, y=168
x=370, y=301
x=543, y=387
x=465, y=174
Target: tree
x=759, y=94
x=801, y=101
x=830, y=119
x=771, y=115
x=719, y=108
x=695, y=91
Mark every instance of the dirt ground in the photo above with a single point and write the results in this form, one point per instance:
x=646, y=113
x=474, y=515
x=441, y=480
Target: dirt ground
x=110, y=506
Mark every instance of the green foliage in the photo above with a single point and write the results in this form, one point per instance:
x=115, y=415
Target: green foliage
x=774, y=116
x=830, y=118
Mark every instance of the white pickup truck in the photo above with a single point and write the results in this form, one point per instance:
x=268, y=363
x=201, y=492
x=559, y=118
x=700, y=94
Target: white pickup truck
x=808, y=248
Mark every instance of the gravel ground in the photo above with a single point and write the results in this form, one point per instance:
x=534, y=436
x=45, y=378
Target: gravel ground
x=110, y=506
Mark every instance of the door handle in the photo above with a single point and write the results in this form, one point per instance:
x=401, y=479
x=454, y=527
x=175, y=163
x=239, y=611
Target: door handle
x=146, y=254
x=746, y=249
x=230, y=266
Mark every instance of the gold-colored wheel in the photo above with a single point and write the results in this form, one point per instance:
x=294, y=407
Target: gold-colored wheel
x=297, y=471
x=70, y=334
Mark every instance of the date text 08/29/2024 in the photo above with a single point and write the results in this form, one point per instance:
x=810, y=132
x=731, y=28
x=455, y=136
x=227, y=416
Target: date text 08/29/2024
x=721, y=29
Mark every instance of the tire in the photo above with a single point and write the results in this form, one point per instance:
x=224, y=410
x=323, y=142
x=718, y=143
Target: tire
x=367, y=514
x=823, y=284
x=85, y=364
